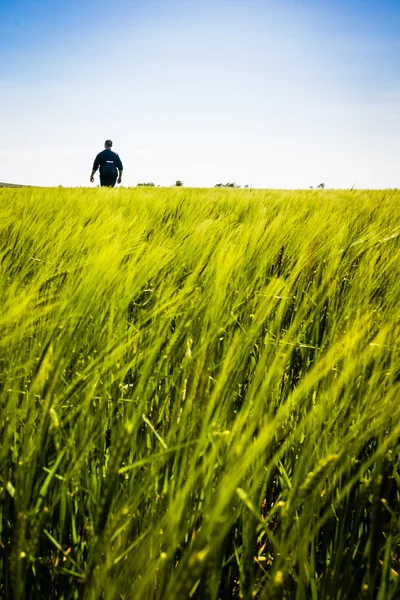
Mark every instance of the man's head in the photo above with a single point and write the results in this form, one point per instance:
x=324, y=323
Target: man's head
x=107, y=144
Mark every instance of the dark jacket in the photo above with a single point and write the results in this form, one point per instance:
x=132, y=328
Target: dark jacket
x=106, y=158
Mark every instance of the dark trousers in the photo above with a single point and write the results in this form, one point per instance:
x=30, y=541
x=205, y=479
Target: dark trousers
x=107, y=181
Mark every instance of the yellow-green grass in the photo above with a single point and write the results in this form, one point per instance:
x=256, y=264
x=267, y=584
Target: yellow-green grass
x=199, y=394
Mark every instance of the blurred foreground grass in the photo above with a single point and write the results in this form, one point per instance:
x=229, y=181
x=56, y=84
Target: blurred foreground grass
x=199, y=394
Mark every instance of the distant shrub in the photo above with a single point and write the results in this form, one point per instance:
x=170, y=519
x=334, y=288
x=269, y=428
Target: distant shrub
x=227, y=185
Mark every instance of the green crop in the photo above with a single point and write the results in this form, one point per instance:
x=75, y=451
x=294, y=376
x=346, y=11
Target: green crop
x=199, y=394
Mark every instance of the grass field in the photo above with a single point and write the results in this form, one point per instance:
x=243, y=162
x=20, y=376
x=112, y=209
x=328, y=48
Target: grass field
x=199, y=394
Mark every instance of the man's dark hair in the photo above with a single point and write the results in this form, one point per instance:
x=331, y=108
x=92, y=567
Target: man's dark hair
x=108, y=143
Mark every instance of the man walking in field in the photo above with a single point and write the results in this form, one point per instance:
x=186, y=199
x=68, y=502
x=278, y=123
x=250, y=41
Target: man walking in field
x=110, y=166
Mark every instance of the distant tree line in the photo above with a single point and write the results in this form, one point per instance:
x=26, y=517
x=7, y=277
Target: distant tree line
x=227, y=185
x=178, y=183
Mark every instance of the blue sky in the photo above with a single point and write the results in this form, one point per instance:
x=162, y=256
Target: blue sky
x=269, y=93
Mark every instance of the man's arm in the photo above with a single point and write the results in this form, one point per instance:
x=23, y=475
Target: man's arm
x=120, y=169
x=95, y=167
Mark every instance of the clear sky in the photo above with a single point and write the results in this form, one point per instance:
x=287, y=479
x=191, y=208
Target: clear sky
x=269, y=93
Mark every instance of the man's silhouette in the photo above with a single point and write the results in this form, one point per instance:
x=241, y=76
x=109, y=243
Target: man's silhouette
x=110, y=166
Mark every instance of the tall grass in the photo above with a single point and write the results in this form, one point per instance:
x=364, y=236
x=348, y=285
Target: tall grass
x=199, y=394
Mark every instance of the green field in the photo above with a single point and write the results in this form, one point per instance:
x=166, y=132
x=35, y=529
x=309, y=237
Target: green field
x=199, y=394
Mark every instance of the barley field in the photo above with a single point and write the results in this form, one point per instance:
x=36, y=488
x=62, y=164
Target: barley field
x=199, y=394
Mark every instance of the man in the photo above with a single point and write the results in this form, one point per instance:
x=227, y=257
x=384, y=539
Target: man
x=110, y=166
